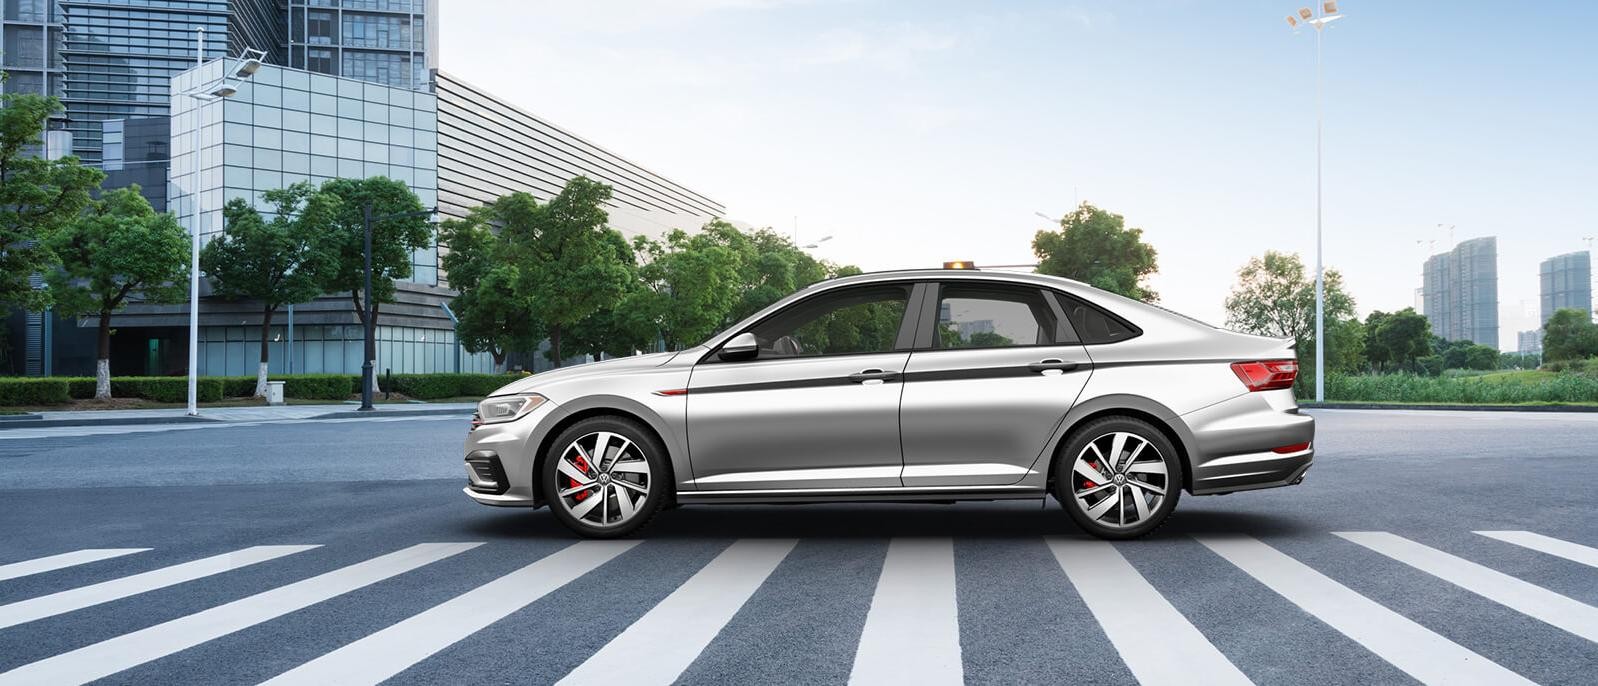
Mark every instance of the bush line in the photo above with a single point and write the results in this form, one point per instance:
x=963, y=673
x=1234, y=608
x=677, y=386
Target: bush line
x=175, y=389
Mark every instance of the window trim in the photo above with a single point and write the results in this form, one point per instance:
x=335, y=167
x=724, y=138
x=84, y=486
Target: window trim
x=926, y=330
x=901, y=343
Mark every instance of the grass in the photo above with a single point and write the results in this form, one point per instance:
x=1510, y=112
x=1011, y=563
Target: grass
x=1518, y=387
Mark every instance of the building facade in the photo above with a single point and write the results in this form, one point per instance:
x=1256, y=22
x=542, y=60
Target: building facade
x=1566, y=282
x=1461, y=292
x=1529, y=342
x=382, y=41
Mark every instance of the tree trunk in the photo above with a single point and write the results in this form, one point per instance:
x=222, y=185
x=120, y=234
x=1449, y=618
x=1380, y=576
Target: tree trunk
x=266, y=338
x=499, y=360
x=371, y=350
x=554, y=343
x=102, y=361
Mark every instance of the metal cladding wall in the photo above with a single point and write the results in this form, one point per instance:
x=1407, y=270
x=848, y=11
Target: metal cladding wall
x=488, y=148
x=1566, y=283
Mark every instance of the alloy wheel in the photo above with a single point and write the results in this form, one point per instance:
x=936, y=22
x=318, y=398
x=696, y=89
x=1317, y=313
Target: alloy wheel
x=1119, y=479
x=604, y=479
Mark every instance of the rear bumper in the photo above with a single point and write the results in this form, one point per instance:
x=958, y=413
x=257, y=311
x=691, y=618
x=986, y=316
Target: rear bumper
x=1236, y=443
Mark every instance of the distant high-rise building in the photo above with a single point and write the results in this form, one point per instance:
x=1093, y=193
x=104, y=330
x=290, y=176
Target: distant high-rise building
x=383, y=41
x=1566, y=283
x=1529, y=341
x=1461, y=288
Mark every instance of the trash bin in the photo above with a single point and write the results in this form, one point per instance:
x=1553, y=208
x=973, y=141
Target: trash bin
x=274, y=392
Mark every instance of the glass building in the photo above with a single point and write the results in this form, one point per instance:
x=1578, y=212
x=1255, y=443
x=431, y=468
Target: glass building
x=1462, y=292
x=382, y=41
x=1566, y=282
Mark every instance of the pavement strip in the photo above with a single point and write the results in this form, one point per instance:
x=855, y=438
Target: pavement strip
x=386, y=653
x=1418, y=651
x=1131, y=610
x=62, y=561
x=129, y=650
x=662, y=643
x=1575, y=552
x=1528, y=599
x=912, y=631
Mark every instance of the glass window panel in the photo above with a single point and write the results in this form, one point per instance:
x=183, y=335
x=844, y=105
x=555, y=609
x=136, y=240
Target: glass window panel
x=296, y=163
x=377, y=133
x=268, y=179
x=350, y=107
x=323, y=103
x=376, y=113
x=296, y=140
x=269, y=158
x=324, y=145
x=325, y=124
x=324, y=166
x=296, y=121
x=349, y=148
x=371, y=169
x=349, y=128
x=237, y=112
x=399, y=116
x=269, y=138
x=239, y=155
x=268, y=116
x=399, y=154
x=296, y=100
x=350, y=169
x=376, y=152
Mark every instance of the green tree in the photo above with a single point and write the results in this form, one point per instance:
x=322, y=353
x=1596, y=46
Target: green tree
x=1481, y=357
x=38, y=196
x=691, y=283
x=494, y=316
x=120, y=248
x=275, y=262
x=1095, y=247
x=1345, y=346
x=1274, y=297
x=1397, y=340
x=1569, y=335
x=569, y=258
x=341, y=237
x=773, y=268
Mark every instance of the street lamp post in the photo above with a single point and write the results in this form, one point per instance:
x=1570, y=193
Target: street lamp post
x=1328, y=15
x=249, y=62
x=370, y=309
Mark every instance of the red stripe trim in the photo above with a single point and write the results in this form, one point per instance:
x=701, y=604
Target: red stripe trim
x=672, y=392
x=1294, y=448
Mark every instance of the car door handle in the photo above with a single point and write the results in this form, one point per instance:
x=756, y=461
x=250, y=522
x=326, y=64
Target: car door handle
x=873, y=376
x=1051, y=364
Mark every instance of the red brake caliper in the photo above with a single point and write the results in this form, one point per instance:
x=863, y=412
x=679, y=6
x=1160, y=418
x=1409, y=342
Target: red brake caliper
x=582, y=465
x=1088, y=483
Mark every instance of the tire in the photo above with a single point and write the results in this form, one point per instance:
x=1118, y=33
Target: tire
x=1103, y=500
x=632, y=467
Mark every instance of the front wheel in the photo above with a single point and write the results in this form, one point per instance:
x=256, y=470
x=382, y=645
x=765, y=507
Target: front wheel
x=1118, y=477
x=604, y=477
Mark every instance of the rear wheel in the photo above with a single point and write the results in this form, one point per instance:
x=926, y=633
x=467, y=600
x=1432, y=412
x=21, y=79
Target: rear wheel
x=604, y=477
x=1118, y=477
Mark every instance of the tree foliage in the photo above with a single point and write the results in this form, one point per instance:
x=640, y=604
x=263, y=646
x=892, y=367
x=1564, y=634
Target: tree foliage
x=38, y=196
x=119, y=249
x=1570, y=335
x=342, y=237
x=1095, y=247
x=275, y=262
x=691, y=283
x=1397, y=341
x=493, y=315
x=1274, y=297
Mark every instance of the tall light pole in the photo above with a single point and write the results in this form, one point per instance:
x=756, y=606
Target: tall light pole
x=248, y=63
x=1328, y=15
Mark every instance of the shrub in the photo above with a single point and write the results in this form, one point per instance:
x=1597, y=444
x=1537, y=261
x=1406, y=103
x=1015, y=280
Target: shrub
x=237, y=386
x=25, y=391
x=80, y=387
x=435, y=386
x=318, y=386
x=1493, y=389
x=166, y=389
x=480, y=385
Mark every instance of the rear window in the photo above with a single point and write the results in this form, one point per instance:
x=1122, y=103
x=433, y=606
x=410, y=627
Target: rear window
x=1094, y=325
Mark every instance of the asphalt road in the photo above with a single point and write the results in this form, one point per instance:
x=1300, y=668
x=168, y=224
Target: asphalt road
x=1247, y=587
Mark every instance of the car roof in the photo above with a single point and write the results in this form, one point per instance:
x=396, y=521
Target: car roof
x=948, y=274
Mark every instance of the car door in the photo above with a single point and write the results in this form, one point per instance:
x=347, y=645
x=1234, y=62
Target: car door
x=818, y=404
x=995, y=370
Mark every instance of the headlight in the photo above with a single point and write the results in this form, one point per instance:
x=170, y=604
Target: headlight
x=508, y=408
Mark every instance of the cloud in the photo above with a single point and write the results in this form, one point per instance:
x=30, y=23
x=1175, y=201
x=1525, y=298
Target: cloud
x=895, y=47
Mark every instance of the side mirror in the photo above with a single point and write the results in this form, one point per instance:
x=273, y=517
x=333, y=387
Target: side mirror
x=743, y=346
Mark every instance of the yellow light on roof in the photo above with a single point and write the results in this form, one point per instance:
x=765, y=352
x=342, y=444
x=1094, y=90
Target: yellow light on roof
x=959, y=264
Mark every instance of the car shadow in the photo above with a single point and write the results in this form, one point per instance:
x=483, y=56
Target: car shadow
x=846, y=521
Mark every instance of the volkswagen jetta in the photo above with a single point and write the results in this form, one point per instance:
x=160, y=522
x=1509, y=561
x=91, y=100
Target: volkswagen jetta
x=928, y=385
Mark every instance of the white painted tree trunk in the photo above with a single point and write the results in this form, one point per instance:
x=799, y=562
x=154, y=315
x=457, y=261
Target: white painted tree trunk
x=102, y=379
x=260, y=381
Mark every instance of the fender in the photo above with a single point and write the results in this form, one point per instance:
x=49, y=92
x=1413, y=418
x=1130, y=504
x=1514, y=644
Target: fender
x=1110, y=403
x=676, y=445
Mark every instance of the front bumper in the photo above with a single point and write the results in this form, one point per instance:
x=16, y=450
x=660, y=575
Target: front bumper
x=1236, y=442
x=499, y=459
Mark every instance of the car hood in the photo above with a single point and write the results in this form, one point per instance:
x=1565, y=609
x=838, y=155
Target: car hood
x=611, y=366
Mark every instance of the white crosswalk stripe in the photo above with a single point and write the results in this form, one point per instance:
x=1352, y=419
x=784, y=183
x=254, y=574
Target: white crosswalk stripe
x=108, y=657
x=1575, y=552
x=1528, y=599
x=912, y=631
x=1416, y=650
x=393, y=650
x=661, y=644
x=1131, y=611
x=41, y=565
x=106, y=591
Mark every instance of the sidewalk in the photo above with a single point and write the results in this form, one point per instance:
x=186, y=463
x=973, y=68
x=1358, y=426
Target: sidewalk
x=178, y=415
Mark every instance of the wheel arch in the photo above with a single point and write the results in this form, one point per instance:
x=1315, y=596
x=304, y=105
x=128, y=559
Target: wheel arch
x=575, y=415
x=1136, y=407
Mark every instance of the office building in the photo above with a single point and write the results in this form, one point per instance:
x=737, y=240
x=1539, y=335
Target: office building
x=1461, y=291
x=1529, y=342
x=1566, y=282
x=382, y=41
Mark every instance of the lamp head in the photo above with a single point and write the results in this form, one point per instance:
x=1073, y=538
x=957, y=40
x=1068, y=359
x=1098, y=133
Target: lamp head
x=225, y=91
x=247, y=67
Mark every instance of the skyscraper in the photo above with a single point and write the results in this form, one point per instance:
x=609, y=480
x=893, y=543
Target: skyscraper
x=383, y=41
x=1566, y=283
x=1462, y=292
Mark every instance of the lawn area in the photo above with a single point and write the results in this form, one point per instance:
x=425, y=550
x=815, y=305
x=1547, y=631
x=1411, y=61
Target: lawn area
x=1515, y=387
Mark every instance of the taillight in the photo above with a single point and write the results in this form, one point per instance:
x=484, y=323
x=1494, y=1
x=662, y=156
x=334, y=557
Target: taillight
x=1266, y=375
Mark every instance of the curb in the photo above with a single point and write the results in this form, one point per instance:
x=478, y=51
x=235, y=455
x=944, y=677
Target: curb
x=357, y=414
x=1465, y=408
x=37, y=422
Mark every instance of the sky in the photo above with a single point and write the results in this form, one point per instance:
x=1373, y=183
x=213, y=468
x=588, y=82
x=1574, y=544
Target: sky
x=919, y=132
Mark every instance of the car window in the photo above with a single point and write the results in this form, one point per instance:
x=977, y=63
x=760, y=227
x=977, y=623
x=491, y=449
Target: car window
x=1094, y=325
x=842, y=322
x=992, y=316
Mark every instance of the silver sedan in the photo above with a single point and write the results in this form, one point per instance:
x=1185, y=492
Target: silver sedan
x=929, y=385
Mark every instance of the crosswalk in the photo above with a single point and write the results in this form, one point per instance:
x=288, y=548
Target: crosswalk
x=912, y=625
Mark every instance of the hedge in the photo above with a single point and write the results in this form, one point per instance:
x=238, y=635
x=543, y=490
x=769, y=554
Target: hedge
x=318, y=386
x=26, y=391
x=436, y=386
